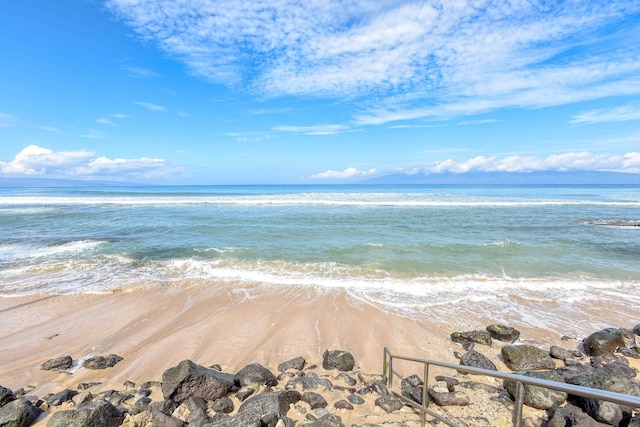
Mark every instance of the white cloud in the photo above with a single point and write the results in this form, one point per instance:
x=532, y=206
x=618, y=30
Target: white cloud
x=345, y=174
x=326, y=129
x=410, y=58
x=150, y=106
x=580, y=161
x=35, y=160
x=615, y=114
x=109, y=120
x=94, y=134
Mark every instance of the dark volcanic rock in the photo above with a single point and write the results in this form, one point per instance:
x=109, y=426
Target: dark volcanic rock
x=526, y=358
x=389, y=403
x=411, y=381
x=477, y=360
x=256, y=373
x=18, y=413
x=603, y=342
x=6, y=396
x=102, y=362
x=571, y=416
x=338, y=359
x=60, y=397
x=343, y=404
x=224, y=405
x=503, y=333
x=314, y=400
x=562, y=354
x=539, y=397
x=90, y=414
x=456, y=398
x=476, y=337
x=188, y=379
x=253, y=410
x=327, y=420
x=296, y=364
x=355, y=399
x=414, y=393
x=164, y=420
x=58, y=364
x=603, y=379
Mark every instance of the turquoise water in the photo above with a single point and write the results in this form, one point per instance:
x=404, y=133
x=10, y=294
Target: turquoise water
x=398, y=245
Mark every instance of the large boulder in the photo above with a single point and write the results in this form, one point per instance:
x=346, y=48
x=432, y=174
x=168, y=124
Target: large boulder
x=256, y=373
x=254, y=409
x=97, y=413
x=539, y=397
x=18, y=413
x=503, y=333
x=188, y=379
x=58, y=364
x=603, y=379
x=571, y=416
x=603, y=342
x=526, y=358
x=338, y=359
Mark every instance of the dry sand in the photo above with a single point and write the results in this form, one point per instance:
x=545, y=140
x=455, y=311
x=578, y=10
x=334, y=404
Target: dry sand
x=154, y=329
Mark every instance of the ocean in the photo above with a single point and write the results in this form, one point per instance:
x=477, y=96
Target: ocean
x=406, y=249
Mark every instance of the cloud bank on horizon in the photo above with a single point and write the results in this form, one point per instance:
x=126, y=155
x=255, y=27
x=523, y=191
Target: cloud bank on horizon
x=399, y=59
x=38, y=161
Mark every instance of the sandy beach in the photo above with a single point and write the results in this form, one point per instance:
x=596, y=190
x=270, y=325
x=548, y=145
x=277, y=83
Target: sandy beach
x=154, y=329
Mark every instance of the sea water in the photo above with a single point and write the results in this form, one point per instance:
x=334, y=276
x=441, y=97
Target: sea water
x=403, y=248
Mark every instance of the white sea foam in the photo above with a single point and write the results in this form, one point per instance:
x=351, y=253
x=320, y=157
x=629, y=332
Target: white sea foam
x=322, y=199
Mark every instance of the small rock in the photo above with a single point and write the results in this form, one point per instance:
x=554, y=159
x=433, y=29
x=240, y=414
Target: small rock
x=411, y=381
x=314, y=400
x=503, y=333
x=389, y=403
x=343, y=404
x=59, y=364
x=256, y=373
x=296, y=364
x=60, y=397
x=477, y=360
x=457, y=398
x=102, y=362
x=6, y=396
x=338, y=359
x=355, y=399
x=477, y=337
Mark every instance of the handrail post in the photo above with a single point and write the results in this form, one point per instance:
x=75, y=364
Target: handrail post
x=519, y=399
x=425, y=398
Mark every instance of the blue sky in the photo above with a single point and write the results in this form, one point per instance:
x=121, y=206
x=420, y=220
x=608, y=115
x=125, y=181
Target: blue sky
x=282, y=91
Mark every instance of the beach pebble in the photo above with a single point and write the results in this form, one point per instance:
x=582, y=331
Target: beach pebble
x=314, y=400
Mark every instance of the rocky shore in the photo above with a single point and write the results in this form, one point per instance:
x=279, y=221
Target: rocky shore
x=334, y=392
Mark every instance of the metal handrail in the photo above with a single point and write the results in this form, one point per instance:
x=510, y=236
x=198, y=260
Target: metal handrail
x=520, y=380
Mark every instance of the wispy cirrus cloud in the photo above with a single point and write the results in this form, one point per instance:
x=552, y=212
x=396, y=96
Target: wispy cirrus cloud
x=39, y=161
x=151, y=107
x=140, y=72
x=110, y=119
x=615, y=114
x=402, y=59
x=325, y=129
x=8, y=120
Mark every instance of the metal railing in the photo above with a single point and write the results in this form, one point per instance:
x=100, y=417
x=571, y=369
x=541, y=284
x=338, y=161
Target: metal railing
x=520, y=380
